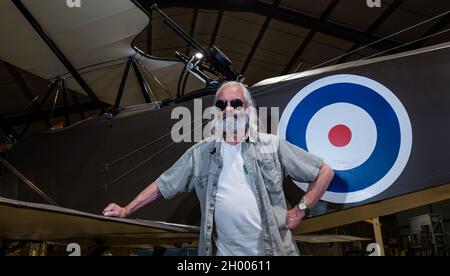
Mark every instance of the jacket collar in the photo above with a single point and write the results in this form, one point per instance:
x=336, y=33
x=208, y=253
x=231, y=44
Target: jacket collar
x=215, y=145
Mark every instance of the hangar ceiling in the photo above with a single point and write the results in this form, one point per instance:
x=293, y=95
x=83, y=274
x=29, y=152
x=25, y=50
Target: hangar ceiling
x=264, y=39
x=271, y=38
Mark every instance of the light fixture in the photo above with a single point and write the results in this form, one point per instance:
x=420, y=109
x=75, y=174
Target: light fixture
x=198, y=55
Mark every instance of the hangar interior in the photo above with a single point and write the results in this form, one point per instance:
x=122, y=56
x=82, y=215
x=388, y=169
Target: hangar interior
x=263, y=39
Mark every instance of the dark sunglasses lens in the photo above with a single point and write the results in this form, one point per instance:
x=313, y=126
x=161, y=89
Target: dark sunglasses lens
x=237, y=103
x=221, y=104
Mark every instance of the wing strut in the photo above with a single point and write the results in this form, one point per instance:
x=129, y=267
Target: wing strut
x=59, y=54
x=27, y=181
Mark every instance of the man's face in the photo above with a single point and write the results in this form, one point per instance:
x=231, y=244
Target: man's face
x=229, y=95
x=231, y=101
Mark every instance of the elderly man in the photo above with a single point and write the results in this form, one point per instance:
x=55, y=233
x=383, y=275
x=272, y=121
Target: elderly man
x=238, y=180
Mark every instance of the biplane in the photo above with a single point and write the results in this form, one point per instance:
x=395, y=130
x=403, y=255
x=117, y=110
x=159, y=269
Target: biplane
x=382, y=123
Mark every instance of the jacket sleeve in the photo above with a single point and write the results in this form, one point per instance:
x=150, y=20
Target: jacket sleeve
x=299, y=164
x=177, y=178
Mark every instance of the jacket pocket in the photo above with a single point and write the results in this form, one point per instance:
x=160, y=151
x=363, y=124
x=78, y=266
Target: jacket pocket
x=270, y=174
x=200, y=181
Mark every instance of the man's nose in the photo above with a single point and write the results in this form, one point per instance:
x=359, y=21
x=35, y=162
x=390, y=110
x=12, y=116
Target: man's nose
x=229, y=107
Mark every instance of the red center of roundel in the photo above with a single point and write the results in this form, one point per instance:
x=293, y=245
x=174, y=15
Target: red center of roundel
x=340, y=136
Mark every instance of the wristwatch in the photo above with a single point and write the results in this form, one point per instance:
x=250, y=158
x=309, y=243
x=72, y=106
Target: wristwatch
x=302, y=206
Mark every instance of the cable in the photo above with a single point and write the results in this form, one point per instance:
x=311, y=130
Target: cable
x=52, y=114
x=403, y=45
x=282, y=80
x=151, y=157
x=123, y=157
x=28, y=182
x=370, y=44
x=315, y=67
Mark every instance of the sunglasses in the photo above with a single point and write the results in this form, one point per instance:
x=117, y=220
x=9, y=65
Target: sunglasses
x=235, y=103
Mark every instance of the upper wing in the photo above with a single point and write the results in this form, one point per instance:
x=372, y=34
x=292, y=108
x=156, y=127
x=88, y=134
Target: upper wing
x=96, y=39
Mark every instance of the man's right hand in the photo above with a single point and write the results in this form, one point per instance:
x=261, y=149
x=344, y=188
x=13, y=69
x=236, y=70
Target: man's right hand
x=114, y=210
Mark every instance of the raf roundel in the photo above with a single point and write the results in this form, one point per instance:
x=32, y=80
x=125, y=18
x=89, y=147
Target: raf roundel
x=356, y=125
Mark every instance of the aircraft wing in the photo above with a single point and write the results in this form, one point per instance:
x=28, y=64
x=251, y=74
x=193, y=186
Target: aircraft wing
x=30, y=221
x=96, y=39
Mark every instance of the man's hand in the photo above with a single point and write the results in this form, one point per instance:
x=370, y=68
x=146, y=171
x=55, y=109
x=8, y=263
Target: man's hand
x=114, y=210
x=148, y=195
x=294, y=217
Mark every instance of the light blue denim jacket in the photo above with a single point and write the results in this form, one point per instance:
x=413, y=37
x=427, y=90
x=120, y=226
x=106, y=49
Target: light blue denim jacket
x=268, y=161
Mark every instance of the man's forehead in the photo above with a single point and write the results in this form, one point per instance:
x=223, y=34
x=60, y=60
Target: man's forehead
x=232, y=90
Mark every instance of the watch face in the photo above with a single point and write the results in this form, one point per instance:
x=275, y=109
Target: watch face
x=303, y=206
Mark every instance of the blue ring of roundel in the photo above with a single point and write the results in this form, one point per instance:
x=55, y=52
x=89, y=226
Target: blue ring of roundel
x=388, y=142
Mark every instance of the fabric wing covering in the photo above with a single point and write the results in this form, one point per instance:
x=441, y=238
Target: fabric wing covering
x=96, y=39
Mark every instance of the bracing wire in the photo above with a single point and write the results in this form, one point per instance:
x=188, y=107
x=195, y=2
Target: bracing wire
x=406, y=44
x=289, y=77
x=372, y=43
x=278, y=87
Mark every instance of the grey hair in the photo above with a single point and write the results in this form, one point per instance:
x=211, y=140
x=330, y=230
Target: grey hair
x=247, y=96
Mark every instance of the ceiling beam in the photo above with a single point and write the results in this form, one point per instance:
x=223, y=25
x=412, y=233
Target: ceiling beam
x=216, y=29
x=393, y=7
x=260, y=36
x=308, y=39
x=150, y=35
x=192, y=31
x=281, y=14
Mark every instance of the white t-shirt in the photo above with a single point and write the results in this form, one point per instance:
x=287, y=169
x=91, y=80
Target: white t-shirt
x=237, y=216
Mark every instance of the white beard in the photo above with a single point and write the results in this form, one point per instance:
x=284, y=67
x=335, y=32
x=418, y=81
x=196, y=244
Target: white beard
x=234, y=125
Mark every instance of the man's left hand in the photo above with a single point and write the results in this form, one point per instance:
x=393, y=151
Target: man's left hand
x=294, y=217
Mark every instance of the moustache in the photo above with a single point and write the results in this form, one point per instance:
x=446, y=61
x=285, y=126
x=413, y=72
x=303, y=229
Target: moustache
x=233, y=114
